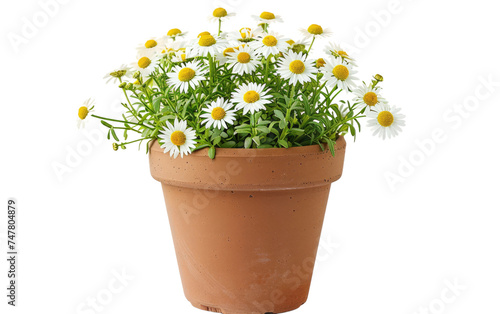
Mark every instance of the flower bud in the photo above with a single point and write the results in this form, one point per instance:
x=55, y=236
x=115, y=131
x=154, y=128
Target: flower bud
x=115, y=146
x=137, y=74
x=129, y=86
x=299, y=48
x=379, y=78
x=122, y=85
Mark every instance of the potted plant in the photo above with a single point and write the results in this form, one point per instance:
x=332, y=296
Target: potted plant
x=245, y=131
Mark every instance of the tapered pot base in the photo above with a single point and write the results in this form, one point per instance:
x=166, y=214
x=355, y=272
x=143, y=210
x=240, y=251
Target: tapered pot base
x=246, y=225
x=215, y=309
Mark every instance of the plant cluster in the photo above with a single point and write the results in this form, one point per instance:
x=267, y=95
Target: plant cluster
x=251, y=88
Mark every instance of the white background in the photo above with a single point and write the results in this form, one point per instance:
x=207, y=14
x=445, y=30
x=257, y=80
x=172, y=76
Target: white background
x=387, y=248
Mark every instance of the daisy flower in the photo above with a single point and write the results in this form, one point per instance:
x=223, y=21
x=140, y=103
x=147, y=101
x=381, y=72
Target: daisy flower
x=244, y=35
x=385, y=122
x=268, y=18
x=337, y=51
x=177, y=139
x=171, y=47
x=207, y=44
x=250, y=97
x=320, y=63
x=184, y=76
x=368, y=96
x=181, y=55
x=340, y=73
x=146, y=63
x=174, y=33
x=219, y=114
x=220, y=14
x=270, y=44
x=119, y=72
x=316, y=30
x=223, y=56
x=295, y=68
x=243, y=60
x=83, y=112
x=153, y=44
x=299, y=46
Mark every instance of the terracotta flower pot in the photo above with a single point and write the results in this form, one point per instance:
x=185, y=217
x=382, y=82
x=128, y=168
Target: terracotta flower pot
x=246, y=225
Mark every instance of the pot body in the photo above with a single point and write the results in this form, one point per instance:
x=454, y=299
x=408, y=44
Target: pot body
x=246, y=225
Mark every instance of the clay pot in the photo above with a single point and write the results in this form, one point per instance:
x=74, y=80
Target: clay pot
x=246, y=225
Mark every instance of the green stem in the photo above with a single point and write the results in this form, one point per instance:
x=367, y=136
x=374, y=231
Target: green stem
x=141, y=139
x=211, y=64
x=128, y=100
x=120, y=128
x=121, y=121
x=267, y=68
x=308, y=50
x=220, y=26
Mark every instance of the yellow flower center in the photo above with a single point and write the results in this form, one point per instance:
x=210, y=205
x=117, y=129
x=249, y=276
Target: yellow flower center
x=220, y=12
x=218, y=113
x=245, y=31
x=315, y=29
x=183, y=57
x=320, y=63
x=251, y=96
x=83, y=112
x=243, y=57
x=342, y=53
x=151, y=43
x=297, y=67
x=206, y=41
x=178, y=138
x=203, y=34
x=385, y=118
x=267, y=16
x=186, y=74
x=174, y=32
x=290, y=42
x=370, y=99
x=341, y=72
x=270, y=41
x=227, y=51
x=144, y=62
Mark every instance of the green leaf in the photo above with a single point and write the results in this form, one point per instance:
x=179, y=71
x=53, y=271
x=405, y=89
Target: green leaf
x=114, y=134
x=156, y=104
x=217, y=140
x=256, y=139
x=263, y=129
x=279, y=114
x=282, y=124
x=283, y=143
x=296, y=131
x=229, y=144
x=248, y=142
x=243, y=131
x=106, y=124
x=331, y=146
x=200, y=147
x=211, y=152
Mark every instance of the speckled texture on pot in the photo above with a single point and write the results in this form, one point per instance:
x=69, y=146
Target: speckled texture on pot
x=246, y=225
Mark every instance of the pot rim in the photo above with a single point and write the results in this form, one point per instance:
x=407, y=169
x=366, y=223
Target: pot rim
x=259, y=152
